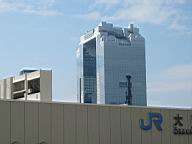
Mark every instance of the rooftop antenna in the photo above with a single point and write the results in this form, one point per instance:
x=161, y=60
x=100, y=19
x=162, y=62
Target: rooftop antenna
x=128, y=92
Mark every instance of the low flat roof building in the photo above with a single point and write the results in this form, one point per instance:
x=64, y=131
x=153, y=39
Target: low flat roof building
x=29, y=85
x=26, y=122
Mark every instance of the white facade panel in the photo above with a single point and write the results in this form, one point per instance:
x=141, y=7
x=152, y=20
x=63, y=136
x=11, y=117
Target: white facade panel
x=115, y=125
x=57, y=115
x=9, y=88
x=175, y=139
x=2, y=89
x=69, y=124
x=17, y=123
x=136, y=130
x=156, y=135
x=82, y=124
x=5, y=127
x=189, y=116
x=46, y=85
x=166, y=135
x=31, y=123
x=93, y=125
x=185, y=138
x=145, y=135
x=105, y=133
x=126, y=125
x=45, y=123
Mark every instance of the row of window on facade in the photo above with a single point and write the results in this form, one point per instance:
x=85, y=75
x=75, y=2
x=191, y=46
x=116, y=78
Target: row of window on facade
x=19, y=89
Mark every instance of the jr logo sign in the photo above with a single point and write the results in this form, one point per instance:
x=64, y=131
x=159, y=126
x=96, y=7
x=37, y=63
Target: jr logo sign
x=153, y=118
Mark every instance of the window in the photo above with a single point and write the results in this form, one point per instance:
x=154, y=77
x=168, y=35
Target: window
x=123, y=84
x=89, y=71
x=19, y=95
x=87, y=99
x=34, y=86
x=19, y=86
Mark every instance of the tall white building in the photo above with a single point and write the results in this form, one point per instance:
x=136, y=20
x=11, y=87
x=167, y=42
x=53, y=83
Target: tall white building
x=35, y=85
x=111, y=66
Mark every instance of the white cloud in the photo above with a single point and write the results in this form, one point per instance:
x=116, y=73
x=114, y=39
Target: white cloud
x=182, y=24
x=177, y=79
x=150, y=11
x=94, y=15
x=179, y=72
x=171, y=87
x=107, y=2
x=38, y=7
x=159, y=12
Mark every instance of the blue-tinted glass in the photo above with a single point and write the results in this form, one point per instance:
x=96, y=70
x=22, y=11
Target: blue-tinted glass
x=89, y=71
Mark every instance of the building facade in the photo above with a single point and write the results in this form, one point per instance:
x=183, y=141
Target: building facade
x=111, y=66
x=33, y=85
x=26, y=122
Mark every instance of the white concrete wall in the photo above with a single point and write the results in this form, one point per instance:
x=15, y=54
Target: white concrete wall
x=9, y=88
x=64, y=123
x=46, y=85
x=2, y=89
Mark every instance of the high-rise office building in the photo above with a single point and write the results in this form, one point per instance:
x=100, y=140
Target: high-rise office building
x=111, y=66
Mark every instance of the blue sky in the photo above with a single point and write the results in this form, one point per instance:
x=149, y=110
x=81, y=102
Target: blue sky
x=45, y=34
